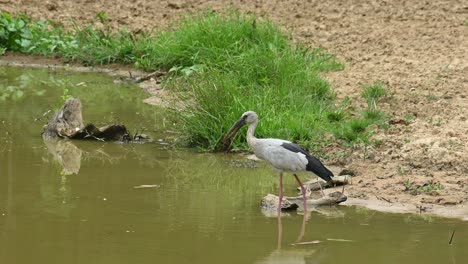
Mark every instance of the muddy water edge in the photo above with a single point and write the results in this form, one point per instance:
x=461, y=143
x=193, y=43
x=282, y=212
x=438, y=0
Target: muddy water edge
x=96, y=202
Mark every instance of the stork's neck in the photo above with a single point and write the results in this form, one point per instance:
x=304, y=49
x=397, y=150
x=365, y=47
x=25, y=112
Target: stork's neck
x=250, y=132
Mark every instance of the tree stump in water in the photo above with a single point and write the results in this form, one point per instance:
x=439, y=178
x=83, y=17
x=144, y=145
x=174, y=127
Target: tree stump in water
x=67, y=123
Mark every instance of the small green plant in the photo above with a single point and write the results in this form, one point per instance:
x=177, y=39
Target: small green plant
x=402, y=171
x=14, y=33
x=373, y=114
x=454, y=143
x=409, y=117
x=429, y=187
x=65, y=94
x=435, y=121
x=335, y=116
x=408, y=185
x=432, y=98
x=353, y=130
x=373, y=93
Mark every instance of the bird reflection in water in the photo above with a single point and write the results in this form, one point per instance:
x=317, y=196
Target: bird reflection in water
x=291, y=254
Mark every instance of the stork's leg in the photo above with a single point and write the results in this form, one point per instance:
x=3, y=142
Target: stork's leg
x=280, y=193
x=303, y=191
x=321, y=189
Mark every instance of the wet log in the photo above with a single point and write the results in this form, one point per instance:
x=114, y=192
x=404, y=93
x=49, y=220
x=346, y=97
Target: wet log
x=107, y=133
x=314, y=185
x=67, y=123
x=270, y=201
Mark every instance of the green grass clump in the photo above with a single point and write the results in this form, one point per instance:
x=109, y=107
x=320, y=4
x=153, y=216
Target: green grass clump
x=220, y=65
x=374, y=114
x=247, y=64
x=356, y=129
x=373, y=93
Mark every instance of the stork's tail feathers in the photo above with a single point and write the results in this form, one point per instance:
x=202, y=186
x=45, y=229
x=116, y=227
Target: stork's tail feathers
x=318, y=168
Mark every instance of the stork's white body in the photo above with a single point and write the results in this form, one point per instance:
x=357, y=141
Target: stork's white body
x=270, y=150
x=284, y=155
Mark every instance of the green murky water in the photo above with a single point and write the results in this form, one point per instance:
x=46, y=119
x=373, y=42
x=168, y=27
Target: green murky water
x=75, y=202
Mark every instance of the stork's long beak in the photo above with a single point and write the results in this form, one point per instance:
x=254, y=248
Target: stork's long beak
x=233, y=131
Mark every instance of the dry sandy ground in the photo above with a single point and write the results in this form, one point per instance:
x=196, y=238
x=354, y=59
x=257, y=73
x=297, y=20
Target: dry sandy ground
x=419, y=49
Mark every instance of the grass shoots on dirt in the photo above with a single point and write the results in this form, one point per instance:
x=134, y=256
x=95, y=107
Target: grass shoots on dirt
x=221, y=65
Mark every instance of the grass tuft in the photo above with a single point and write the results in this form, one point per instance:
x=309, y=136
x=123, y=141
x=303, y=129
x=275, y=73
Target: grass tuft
x=373, y=93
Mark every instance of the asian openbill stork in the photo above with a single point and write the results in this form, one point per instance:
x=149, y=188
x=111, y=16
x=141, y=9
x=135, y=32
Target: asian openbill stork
x=283, y=155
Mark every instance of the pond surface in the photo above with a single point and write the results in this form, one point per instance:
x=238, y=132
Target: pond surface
x=76, y=202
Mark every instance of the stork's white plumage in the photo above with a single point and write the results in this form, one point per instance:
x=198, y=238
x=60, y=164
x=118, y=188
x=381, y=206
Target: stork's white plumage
x=283, y=155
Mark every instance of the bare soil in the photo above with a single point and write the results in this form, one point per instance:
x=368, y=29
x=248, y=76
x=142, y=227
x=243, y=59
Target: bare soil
x=419, y=49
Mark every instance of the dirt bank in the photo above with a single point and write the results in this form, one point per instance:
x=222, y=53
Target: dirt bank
x=417, y=48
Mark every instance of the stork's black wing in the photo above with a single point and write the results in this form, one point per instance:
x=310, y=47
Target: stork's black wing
x=314, y=165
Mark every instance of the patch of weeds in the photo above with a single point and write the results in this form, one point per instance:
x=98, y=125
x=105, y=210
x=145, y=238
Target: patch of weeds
x=428, y=187
x=353, y=130
x=373, y=93
x=341, y=154
x=435, y=122
x=454, y=143
x=335, y=116
x=408, y=185
x=402, y=171
x=432, y=98
x=90, y=44
x=374, y=114
x=358, y=125
x=14, y=34
x=409, y=117
x=356, y=129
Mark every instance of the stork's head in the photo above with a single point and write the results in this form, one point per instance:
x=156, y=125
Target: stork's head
x=248, y=117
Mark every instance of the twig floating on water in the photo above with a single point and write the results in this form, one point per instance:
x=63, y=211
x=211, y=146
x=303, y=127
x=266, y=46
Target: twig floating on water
x=451, y=237
x=146, y=186
x=339, y=240
x=306, y=243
